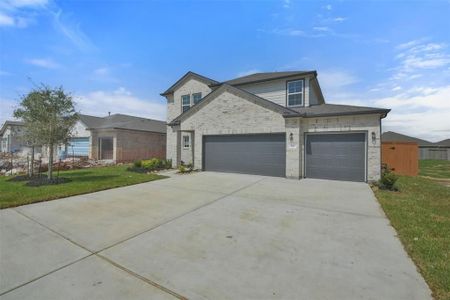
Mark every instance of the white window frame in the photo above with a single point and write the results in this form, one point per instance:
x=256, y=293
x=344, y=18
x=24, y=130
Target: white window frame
x=186, y=142
x=302, y=93
x=185, y=105
x=193, y=98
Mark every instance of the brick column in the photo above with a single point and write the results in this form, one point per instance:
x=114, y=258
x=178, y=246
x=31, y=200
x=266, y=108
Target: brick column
x=293, y=148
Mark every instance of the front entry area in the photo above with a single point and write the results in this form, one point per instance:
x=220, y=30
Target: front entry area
x=260, y=154
x=106, y=148
x=337, y=156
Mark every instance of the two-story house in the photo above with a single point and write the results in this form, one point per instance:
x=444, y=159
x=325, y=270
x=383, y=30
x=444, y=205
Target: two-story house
x=275, y=124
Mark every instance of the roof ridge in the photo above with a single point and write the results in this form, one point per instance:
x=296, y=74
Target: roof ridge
x=170, y=89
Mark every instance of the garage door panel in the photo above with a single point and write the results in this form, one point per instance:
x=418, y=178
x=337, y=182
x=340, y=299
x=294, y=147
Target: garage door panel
x=262, y=154
x=336, y=156
x=79, y=146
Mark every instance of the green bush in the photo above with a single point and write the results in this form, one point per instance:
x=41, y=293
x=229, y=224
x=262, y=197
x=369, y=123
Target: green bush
x=137, y=163
x=186, y=168
x=388, y=179
x=182, y=169
x=156, y=164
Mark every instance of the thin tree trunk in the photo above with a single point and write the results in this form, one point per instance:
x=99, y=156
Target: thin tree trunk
x=50, y=162
x=32, y=162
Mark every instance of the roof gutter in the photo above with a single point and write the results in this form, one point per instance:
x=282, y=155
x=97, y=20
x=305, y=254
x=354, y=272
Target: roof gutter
x=306, y=115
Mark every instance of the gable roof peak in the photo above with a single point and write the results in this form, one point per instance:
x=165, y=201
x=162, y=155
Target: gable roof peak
x=186, y=76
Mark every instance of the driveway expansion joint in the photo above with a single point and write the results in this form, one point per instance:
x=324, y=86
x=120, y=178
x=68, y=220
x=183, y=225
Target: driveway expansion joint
x=96, y=253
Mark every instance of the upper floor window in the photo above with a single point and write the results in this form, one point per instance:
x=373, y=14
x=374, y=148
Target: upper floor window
x=196, y=97
x=185, y=102
x=295, y=93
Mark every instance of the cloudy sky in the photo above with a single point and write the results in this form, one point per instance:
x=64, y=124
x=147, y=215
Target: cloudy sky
x=118, y=56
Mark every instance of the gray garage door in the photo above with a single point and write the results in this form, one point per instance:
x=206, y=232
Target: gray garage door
x=336, y=156
x=261, y=154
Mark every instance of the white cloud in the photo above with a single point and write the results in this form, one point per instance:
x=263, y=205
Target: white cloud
x=27, y=3
x=321, y=28
x=6, y=20
x=43, y=62
x=99, y=103
x=328, y=7
x=416, y=56
x=396, y=88
x=422, y=112
x=104, y=74
x=19, y=13
x=72, y=31
x=102, y=71
x=248, y=72
x=421, y=97
x=333, y=79
x=6, y=112
x=339, y=19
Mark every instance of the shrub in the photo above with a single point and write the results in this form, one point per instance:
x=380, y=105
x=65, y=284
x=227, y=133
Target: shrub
x=182, y=169
x=137, y=163
x=152, y=164
x=186, y=168
x=388, y=179
x=148, y=165
x=168, y=163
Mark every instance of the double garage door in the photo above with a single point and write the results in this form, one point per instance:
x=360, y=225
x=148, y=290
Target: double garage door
x=328, y=156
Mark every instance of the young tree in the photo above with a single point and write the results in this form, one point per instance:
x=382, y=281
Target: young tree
x=49, y=116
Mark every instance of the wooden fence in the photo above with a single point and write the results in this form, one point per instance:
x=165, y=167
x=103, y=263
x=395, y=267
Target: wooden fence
x=401, y=157
x=440, y=153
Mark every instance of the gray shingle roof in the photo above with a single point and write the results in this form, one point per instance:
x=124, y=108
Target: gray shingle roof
x=120, y=121
x=260, y=77
x=445, y=143
x=323, y=110
x=390, y=136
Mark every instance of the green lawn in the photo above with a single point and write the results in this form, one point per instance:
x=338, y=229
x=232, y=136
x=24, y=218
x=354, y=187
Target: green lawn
x=434, y=168
x=420, y=212
x=83, y=181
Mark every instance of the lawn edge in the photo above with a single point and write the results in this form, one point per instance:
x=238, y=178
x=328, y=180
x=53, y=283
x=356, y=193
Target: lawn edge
x=82, y=193
x=418, y=268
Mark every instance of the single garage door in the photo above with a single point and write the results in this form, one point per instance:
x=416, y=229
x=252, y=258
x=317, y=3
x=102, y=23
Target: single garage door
x=261, y=154
x=336, y=156
x=78, y=146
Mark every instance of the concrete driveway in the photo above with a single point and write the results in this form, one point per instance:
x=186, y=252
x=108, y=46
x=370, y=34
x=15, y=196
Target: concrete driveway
x=207, y=236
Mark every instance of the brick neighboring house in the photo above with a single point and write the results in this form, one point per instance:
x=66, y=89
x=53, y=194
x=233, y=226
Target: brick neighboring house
x=118, y=137
x=275, y=124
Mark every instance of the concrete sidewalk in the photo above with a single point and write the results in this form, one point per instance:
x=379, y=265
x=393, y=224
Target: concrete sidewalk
x=207, y=236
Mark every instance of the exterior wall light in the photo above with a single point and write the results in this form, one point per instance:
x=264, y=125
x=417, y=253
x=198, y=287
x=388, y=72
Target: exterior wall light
x=374, y=137
x=291, y=139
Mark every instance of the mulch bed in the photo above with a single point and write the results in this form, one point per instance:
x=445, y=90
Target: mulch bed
x=40, y=181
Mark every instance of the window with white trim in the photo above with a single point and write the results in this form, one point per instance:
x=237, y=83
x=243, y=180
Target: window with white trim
x=185, y=102
x=186, y=142
x=295, y=93
x=196, y=97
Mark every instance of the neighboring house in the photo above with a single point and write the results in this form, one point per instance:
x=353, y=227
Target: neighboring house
x=444, y=143
x=118, y=137
x=11, y=138
x=275, y=124
x=427, y=150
